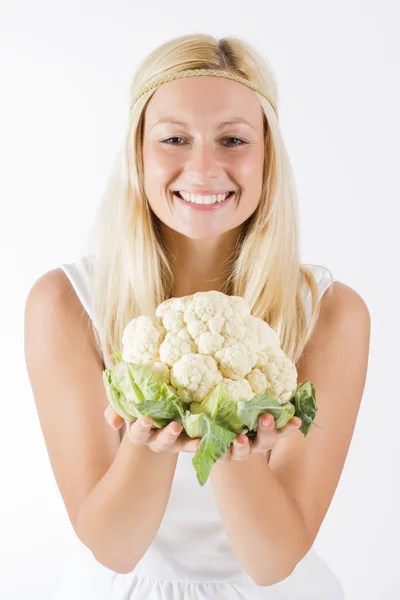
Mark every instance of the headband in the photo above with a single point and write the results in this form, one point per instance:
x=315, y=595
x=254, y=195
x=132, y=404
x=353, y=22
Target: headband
x=194, y=72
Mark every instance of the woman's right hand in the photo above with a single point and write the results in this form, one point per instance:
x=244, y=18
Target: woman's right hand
x=169, y=438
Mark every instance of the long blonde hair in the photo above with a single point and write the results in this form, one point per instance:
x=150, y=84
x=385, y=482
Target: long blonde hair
x=133, y=272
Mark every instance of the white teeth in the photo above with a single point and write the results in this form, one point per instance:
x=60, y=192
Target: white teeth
x=196, y=199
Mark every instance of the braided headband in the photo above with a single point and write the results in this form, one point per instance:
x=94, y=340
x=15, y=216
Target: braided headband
x=196, y=72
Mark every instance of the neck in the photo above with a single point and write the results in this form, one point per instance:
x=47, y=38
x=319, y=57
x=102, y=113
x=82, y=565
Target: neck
x=200, y=265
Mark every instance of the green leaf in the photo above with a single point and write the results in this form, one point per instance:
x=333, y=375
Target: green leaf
x=144, y=380
x=250, y=411
x=305, y=405
x=221, y=408
x=214, y=444
x=124, y=406
x=194, y=424
x=164, y=409
x=131, y=387
x=125, y=383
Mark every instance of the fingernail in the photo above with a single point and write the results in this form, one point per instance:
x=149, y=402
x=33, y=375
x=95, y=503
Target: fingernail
x=145, y=424
x=267, y=422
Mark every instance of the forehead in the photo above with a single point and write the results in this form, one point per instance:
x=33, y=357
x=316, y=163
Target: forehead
x=208, y=97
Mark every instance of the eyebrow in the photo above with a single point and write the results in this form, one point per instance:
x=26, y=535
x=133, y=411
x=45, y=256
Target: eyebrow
x=221, y=125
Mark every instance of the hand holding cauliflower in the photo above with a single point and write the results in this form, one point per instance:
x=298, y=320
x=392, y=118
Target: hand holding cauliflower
x=206, y=362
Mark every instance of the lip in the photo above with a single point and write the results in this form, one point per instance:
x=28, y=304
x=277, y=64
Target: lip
x=204, y=192
x=204, y=207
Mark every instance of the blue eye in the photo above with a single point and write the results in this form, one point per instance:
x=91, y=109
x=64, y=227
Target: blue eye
x=167, y=141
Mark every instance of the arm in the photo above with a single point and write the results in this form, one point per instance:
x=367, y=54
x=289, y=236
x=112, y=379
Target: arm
x=272, y=513
x=269, y=538
x=121, y=515
x=115, y=492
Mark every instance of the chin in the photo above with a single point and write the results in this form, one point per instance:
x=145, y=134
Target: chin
x=202, y=236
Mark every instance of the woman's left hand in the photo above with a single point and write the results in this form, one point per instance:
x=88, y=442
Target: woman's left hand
x=266, y=438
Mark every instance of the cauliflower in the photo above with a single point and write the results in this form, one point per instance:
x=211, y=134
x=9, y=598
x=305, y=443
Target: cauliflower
x=194, y=342
x=206, y=362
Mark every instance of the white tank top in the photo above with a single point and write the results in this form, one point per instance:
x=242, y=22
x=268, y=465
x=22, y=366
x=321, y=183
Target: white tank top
x=190, y=557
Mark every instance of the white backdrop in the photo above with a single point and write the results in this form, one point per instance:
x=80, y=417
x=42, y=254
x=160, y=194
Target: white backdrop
x=66, y=69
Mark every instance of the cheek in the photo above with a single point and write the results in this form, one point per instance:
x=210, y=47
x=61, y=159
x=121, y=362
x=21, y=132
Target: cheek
x=159, y=170
x=251, y=165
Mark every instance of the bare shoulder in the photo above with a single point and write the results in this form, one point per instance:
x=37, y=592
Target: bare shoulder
x=53, y=283
x=54, y=291
x=343, y=312
x=341, y=298
x=65, y=372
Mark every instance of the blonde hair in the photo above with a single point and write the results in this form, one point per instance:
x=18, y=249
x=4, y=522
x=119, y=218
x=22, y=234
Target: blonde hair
x=133, y=273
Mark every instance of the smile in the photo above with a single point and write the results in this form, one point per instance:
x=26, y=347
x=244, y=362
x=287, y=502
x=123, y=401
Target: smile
x=203, y=200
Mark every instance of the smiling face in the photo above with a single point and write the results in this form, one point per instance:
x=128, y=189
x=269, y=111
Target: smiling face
x=202, y=155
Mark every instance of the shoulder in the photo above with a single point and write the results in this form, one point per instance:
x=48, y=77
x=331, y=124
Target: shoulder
x=342, y=330
x=52, y=303
x=341, y=301
x=52, y=286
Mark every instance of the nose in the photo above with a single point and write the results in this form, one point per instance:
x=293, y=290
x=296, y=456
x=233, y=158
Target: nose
x=203, y=161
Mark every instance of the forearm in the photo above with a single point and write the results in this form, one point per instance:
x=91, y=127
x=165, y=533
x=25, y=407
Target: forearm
x=122, y=513
x=263, y=524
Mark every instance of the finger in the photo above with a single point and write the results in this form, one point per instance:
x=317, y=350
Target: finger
x=140, y=430
x=293, y=425
x=184, y=443
x=240, y=448
x=113, y=418
x=266, y=434
x=166, y=437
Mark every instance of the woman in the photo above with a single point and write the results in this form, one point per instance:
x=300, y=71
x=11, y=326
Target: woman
x=203, y=129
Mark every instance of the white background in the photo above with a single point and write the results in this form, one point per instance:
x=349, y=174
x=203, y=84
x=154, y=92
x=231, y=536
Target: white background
x=66, y=69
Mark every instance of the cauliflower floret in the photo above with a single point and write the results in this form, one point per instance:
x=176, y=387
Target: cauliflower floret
x=206, y=305
x=142, y=338
x=260, y=337
x=209, y=343
x=281, y=375
x=264, y=333
x=173, y=320
x=238, y=390
x=236, y=361
x=231, y=341
x=175, y=304
x=197, y=374
x=175, y=345
x=257, y=380
x=215, y=323
x=193, y=325
x=234, y=326
x=239, y=305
